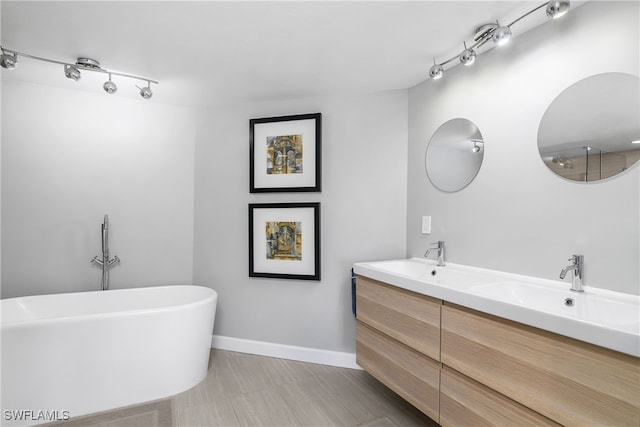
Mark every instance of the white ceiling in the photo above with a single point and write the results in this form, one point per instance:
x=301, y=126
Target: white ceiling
x=211, y=53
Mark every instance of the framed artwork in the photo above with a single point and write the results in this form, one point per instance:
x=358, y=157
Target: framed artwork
x=285, y=153
x=284, y=240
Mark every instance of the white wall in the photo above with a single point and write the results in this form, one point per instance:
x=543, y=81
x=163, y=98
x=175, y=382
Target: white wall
x=68, y=158
x=363, y=216
x=517, y=216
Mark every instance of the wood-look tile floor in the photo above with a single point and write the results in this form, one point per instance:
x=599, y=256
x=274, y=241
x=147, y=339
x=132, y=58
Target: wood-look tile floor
x=250, y=390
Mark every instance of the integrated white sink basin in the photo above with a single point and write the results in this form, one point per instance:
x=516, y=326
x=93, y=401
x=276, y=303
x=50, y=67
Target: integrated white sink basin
x=405, y=267
x=586, y=306
x=601, y=317
x=427, y=272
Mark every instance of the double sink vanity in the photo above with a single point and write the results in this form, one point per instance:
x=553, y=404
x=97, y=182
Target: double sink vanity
x=470, y=346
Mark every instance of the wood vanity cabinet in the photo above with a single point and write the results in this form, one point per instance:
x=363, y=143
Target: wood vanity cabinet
x=566, y=380
x=465, y=402
x=398, y=341
x=409, y=373
x=464, y=367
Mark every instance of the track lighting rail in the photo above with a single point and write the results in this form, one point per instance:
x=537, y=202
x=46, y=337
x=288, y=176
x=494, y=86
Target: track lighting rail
x=499, y=34
x=529, y=13
x=9, y=60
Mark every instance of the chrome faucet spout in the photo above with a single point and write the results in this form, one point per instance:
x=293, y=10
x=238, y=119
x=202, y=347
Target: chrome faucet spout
x=439, y=246
x=565, y=270
x=577, y=266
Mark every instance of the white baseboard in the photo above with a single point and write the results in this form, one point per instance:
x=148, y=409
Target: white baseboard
x=283, y=351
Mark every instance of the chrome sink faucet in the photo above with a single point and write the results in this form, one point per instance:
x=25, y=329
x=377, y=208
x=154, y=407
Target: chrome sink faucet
x=439, y=246
x=577, y=264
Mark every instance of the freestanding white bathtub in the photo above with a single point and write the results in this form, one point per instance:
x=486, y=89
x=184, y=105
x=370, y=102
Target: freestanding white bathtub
x=67, y=355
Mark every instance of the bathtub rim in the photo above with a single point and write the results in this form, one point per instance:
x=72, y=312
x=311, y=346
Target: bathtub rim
x=213, y=295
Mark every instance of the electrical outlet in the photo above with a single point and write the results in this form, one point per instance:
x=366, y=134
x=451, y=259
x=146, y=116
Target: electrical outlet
x=426, y=225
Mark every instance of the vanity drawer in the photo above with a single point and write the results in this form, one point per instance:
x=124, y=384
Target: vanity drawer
x=413, y=376
x=464, y=401
x=410, y=318
x=566, y=380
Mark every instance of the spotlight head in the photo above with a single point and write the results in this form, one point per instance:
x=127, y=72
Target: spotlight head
x=109, y=86
x=8, y=61
x=71, y=72
x=501, y=35
x=146, y=92
x=557, y=8
x=467, y=57
x=436, y=71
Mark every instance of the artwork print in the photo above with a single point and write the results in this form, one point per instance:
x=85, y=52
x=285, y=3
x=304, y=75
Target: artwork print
x=284, y=154
x=284, y=240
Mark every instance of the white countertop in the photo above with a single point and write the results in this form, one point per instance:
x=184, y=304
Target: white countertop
x=597, y=316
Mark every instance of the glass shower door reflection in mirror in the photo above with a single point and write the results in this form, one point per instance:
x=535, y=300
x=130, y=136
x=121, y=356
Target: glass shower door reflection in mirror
x=587, y=163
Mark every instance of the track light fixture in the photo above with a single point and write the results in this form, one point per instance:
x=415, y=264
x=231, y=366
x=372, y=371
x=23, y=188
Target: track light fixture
x=9, y=59
x=499, y=34
x=555, y=9
x=145, y=92
x=468, y=56
x=109, y=86
x=72, y=72
x=436, y=71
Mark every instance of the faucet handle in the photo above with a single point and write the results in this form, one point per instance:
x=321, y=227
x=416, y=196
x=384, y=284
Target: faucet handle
x=577, y=259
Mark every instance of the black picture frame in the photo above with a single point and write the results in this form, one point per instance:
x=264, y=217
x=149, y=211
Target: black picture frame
x=295, y=170
x=284, y=240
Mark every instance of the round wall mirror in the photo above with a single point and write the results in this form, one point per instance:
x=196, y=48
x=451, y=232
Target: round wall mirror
x=591, y=131
x=454, y=155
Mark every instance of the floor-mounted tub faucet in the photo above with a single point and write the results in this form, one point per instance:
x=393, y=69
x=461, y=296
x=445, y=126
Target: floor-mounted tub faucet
x=105, y=263
x=577, y=265
x=439, y=246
